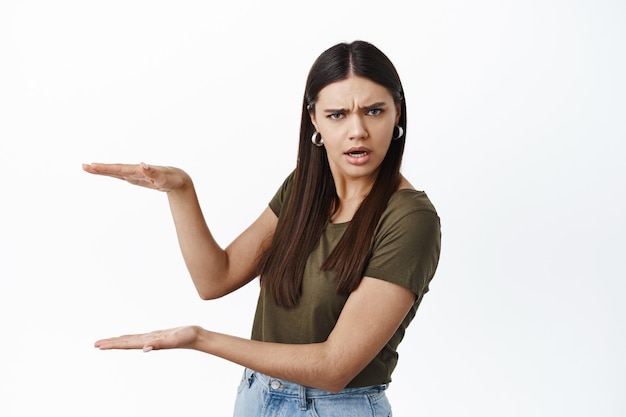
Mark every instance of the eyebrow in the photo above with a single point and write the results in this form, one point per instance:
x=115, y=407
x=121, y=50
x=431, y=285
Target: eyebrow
x=369, y=107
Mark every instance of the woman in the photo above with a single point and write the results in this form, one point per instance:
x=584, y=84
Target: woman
x=345, y=251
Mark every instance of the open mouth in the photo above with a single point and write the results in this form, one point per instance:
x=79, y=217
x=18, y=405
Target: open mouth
x=357, y=154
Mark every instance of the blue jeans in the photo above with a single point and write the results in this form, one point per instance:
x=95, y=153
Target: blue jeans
x=262, y=396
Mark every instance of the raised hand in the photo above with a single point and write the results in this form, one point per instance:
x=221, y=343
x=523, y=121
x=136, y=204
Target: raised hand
x=156, y=177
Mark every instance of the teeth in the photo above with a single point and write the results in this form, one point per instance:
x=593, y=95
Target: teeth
x=357, y=154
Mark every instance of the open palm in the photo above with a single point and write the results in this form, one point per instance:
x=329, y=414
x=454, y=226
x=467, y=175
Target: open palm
x=180, y=337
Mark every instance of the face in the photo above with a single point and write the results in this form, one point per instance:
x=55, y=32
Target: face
x=356, y=118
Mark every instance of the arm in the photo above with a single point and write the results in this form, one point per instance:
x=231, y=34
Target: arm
x=330, y=365
x=214, y=271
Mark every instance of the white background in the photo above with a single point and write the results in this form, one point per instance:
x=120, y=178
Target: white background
x=516, y=132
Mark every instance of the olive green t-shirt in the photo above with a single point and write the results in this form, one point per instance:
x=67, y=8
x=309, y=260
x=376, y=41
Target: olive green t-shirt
x=405, y=251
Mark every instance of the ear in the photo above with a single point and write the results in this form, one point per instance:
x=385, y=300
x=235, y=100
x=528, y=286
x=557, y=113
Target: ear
x=311, y=110
x=398, y=113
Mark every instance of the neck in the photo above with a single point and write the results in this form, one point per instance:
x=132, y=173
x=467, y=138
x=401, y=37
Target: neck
x=351, y=193
x=349, y=189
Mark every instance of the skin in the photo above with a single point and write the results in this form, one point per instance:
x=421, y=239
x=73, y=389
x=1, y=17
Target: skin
x=217, y=271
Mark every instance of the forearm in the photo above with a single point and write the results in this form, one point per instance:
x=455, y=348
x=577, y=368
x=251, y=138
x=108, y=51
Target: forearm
x=329, y=365
x=206, y=261
x=313, y=365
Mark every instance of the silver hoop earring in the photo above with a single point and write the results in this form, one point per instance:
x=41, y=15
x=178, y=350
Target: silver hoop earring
x=400, y=132
x=317, y=139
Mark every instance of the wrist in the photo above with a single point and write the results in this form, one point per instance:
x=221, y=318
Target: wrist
x=201, y=339
x=183, y=185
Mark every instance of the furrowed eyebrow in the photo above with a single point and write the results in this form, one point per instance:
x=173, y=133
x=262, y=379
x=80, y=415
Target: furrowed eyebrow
x=370, y=107
x=375, y=105
x=334, y=111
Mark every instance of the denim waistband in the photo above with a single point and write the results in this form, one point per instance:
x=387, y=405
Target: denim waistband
x=305, y=394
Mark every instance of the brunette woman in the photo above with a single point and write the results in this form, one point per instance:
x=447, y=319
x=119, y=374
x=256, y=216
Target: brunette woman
x=345, y=252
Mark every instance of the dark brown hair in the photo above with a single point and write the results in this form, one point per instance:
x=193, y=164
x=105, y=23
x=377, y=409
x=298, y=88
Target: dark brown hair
x=313, y=196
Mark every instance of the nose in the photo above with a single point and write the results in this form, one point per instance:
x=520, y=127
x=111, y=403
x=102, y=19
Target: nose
x=358, y=129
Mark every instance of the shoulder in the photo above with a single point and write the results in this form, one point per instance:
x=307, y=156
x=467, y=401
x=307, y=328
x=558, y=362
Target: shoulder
x=407, y=241
x=410, y=216
x=277, y=203
x=406, y=201
x=407, y=198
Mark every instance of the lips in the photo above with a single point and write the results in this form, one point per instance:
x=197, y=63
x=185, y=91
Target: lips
x=358, y=155
x=358, y=152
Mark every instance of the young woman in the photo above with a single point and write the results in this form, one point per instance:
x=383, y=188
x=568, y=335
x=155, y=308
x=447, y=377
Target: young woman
x=345, y=252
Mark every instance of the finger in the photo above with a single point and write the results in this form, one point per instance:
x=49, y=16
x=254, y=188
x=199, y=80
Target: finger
x=138, y=174
x=145, y=341
x=122, y=342
x=114, y=170
x=122, y=171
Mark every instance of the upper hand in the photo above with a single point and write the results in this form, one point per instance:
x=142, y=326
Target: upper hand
x=155, y=177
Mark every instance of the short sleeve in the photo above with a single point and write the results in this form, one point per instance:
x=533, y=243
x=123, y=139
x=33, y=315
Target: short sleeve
x=407, y=243
x=282, y=195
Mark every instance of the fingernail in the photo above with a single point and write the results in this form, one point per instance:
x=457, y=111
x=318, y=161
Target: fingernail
x=147, y=349
x=145, y=166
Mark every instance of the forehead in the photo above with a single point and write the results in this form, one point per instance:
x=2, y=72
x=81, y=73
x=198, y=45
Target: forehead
x=353, y=89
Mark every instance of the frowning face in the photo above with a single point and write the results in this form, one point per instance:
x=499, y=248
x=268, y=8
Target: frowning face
x=355, y=117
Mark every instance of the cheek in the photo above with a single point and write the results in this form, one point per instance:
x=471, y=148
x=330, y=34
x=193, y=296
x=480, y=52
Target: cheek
x=330, y=133
x=384, y=131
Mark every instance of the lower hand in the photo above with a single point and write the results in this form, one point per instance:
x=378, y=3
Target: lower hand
x=180, y=337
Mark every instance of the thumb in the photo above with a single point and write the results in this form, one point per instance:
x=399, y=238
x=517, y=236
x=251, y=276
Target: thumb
x=150, y=175
x=146, y=169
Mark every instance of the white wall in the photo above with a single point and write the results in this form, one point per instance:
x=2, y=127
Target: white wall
x=516, y=132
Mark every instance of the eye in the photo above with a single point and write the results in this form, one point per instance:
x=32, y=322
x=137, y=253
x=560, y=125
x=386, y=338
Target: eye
x=374, y=112
x=335, y=116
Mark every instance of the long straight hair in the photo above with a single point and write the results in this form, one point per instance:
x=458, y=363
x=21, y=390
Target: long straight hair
x=313, y=196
